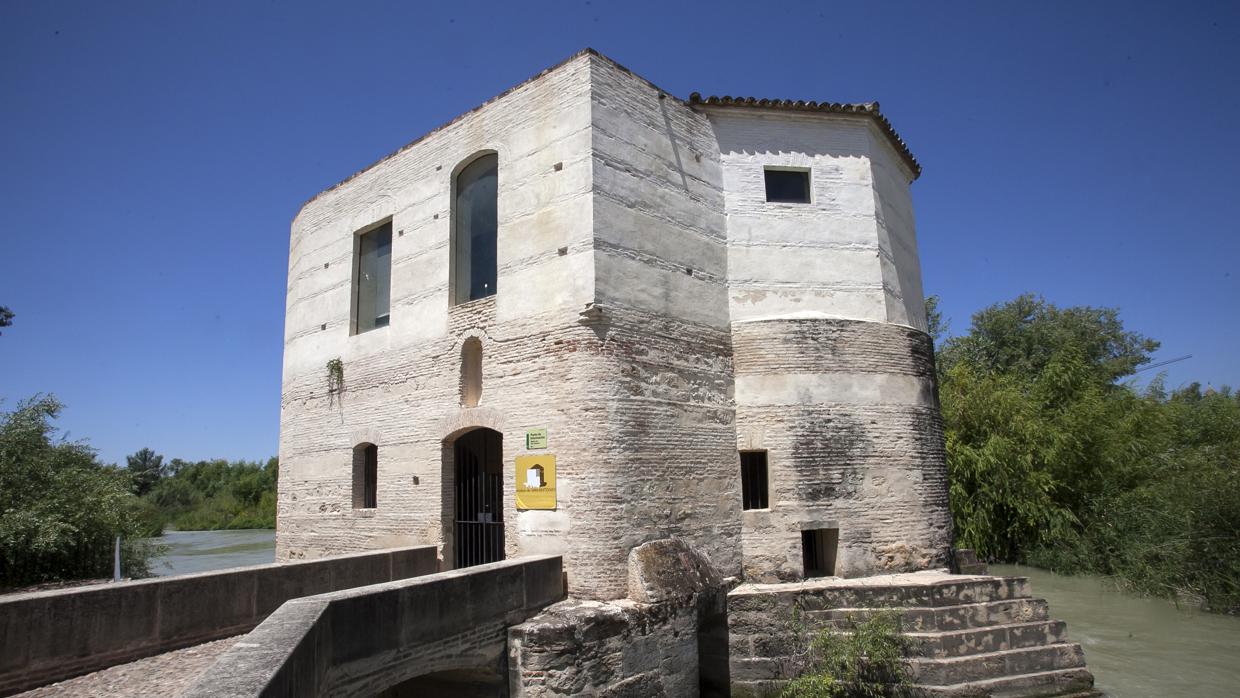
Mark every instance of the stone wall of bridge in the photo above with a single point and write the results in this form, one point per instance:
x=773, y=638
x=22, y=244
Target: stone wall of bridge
x=48, y=636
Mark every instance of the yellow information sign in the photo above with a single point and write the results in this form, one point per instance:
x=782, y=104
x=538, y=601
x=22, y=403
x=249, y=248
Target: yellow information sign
x=536, y=482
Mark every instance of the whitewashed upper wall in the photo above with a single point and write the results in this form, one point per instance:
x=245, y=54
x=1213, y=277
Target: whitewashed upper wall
x=541, y=209
x=837, y=256
x=897, y=236
x=660, y=243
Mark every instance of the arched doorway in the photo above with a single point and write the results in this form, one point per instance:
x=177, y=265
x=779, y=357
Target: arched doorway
x=478, y=527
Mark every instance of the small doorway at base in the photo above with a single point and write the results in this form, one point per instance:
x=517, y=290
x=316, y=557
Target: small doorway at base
x=479, y=476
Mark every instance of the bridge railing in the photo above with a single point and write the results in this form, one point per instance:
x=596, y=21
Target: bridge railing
x=52, y=635
x=365, y=640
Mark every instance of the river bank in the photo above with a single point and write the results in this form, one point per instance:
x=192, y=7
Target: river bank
x=1141, y=647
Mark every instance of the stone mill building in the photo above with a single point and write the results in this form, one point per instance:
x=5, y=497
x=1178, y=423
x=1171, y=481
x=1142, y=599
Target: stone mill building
x=588, y=315
x=692, y=298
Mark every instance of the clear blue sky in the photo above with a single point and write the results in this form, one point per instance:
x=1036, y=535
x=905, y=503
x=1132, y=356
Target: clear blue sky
x=153, y=154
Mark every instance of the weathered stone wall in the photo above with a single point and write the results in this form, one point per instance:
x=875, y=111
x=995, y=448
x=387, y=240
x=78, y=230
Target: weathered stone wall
x=831, y=378
x=656, y=642
x=661, y=281
x=614, y=649
x=540, y=366
x=50, y=635
x=847, y=414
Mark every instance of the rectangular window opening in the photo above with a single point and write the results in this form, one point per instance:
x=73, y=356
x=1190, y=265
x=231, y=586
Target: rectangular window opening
x=373, y=279
x=754, y=487
x=787, y=186
x=366, y=476
x=818, y=548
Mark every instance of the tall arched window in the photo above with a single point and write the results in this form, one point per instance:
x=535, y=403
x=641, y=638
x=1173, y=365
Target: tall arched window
x=471, y=372
x=474, y=229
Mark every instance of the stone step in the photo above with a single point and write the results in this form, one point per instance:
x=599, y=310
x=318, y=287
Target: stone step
x=1064, y=683
x=951, y=591
x=959, y=643
x=994, y=665
x=944, y=618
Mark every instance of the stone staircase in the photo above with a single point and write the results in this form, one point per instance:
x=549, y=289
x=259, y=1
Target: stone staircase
x=975, y=636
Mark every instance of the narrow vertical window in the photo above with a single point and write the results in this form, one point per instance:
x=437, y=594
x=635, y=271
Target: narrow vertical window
x=373, y=278
x=365, y=476
x=471, y=372
x=818, y=551
x=753, y=480
x=474, y=230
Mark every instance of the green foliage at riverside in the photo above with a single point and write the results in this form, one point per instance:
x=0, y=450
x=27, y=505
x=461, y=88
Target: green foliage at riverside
x=1054, y=462
x=209, y=495
x=60, y=509
x=860, y=661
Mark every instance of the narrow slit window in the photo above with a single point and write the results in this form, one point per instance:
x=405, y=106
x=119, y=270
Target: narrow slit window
x=754, y=486
x=365, y=476
x=373, y=278
x=818, y=548
x=787, y=186
x=476, y=212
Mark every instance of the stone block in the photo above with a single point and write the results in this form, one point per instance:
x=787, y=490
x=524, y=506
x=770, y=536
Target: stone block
x=669, y=570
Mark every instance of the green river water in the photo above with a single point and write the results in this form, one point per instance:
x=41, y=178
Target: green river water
x=1136, y=647
x=1139, y=647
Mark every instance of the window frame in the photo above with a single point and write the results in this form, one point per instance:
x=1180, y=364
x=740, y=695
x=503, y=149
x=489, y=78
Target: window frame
x=808, y=173
x=755, y=491
x=365, y=476
x=355, y=299
x=454, y=223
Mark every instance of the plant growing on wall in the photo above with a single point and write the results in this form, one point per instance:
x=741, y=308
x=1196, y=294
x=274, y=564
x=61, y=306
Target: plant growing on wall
x=335, y=376
x=865, y=659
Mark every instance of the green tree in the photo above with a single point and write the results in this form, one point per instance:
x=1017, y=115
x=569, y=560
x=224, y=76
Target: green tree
x=145, y=469
x=6, y=316
x=60, y=509
x=217, y=494
x=1053, y=462
x=1023, y=335
x=936, y=325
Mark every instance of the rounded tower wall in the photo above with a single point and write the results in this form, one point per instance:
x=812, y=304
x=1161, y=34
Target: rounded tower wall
x=834, y=373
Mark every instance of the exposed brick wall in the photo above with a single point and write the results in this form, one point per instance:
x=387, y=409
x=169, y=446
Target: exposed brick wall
x=869, y=460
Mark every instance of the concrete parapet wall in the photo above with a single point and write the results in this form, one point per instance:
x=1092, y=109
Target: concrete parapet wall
x=364, y=641
x=51, y=635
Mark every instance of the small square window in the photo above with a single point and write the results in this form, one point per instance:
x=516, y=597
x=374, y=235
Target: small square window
x=818, y=551
x=753, y=480
x=787, y=186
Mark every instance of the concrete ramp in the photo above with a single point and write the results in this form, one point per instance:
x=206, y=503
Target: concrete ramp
x=383, y=639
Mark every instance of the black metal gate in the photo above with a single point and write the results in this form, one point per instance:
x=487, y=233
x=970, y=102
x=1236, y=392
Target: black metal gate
x=479, y=498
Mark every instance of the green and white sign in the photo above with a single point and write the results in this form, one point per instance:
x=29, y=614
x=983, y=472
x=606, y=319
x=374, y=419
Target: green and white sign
x=536, y=438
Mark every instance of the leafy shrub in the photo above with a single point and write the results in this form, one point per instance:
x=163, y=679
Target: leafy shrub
x=863, y=660
x=60, y=509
